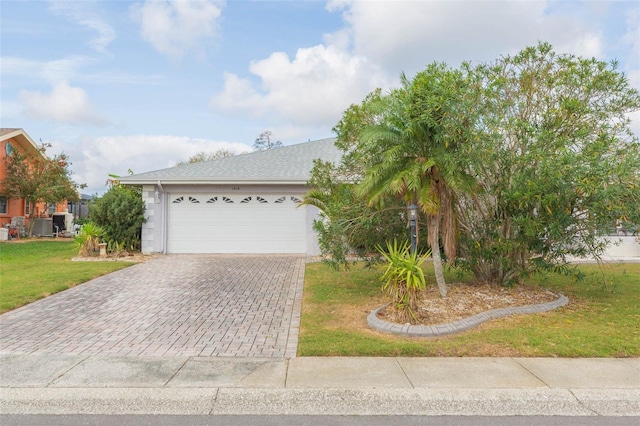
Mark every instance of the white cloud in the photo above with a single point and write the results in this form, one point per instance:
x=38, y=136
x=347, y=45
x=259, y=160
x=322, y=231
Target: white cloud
x=84, y=14
x=51, y=71
x=12, y=113
x=406, y=36
x=632, y=36
x=67, y=68
x=15, y=65
x=64, y=104
x=95, y=158
x=382, y=39
x=589, y=46
x=631, y=42
x=311, y=89
x=634, y=81
x=63, y=69
x=175, y=27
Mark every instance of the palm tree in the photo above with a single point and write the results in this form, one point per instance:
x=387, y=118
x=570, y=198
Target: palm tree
x=416, y=156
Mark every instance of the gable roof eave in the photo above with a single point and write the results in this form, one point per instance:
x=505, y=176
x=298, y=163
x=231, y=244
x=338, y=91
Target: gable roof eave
x=210, y=181
x=20, y=134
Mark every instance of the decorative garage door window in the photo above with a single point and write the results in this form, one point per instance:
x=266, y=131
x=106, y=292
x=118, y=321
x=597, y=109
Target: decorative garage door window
x=190, y=199
x=282, y=200
x=243, y=199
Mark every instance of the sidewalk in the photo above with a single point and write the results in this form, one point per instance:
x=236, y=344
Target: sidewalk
x=75, y=384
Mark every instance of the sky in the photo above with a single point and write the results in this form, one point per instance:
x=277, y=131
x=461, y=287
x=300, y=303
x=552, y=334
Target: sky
x=140, y=85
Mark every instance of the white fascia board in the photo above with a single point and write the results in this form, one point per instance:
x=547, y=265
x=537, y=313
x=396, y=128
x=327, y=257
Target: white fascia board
x=213, y=182
x=10, y=135
x=19, y=132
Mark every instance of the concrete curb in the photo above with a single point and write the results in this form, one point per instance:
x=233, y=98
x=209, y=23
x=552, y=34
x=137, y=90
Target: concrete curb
x=339, y=401
x=461, y=325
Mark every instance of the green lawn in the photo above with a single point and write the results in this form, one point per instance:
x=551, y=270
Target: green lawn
x=35, y=269
x=600, y=321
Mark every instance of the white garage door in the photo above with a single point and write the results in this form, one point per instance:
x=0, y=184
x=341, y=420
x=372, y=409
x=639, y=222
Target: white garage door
x=234, y=223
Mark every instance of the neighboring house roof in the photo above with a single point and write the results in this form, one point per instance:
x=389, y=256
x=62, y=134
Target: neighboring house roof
x=5, y=131
x=17, y=134
x=290, y=164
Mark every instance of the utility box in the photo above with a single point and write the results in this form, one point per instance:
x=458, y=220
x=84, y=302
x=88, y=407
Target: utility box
x=4, y=234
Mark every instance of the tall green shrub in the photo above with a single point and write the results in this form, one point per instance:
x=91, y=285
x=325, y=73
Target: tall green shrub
x=120, y=212
x=555, y=159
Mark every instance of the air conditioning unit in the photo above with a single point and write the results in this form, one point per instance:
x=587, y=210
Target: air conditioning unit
x=43, y=227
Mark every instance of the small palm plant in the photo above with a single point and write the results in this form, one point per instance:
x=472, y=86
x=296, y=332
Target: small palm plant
x=88, y=238
x=403, y=279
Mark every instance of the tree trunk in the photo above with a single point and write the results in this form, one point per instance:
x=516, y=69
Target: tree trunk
x=32, y=218
x=434, y=234
x=437, y=268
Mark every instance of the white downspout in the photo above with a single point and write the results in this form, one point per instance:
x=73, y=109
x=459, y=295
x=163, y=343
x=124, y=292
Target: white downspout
x=163, y=223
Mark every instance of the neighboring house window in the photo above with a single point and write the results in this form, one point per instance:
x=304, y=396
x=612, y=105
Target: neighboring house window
x=8, y=148
x=3, y=204
x=27, y=208
x=52, y=209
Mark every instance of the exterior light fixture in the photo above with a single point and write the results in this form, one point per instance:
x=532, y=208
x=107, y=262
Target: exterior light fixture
x=412, y=209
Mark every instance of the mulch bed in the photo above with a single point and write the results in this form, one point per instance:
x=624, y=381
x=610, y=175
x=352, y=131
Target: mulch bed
x=464, y=300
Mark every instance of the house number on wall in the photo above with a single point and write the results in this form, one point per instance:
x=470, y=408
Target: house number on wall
x=235, y=188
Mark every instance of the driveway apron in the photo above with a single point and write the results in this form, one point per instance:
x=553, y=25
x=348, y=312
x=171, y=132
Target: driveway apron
x=173, y=305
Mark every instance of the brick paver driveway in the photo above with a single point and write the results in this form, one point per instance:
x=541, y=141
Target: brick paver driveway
x=189, y=305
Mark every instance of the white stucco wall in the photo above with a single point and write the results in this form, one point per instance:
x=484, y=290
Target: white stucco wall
x=623, y=247
x=151, y=230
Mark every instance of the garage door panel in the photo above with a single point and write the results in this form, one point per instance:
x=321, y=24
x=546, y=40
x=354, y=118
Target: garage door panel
x=236, y=223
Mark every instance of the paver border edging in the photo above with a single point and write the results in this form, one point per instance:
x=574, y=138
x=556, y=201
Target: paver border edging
x=462, y=324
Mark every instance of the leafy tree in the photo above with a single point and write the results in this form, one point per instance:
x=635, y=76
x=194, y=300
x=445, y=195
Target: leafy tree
x=414, y=144
x=207, y=156
x=120, y=213
x=263, y=141
x=399, y=149
x=38, y=178
x=555, y=159
x=349, y=225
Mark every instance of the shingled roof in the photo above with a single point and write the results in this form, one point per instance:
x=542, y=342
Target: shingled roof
x=20, y=136
x=290, y=164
